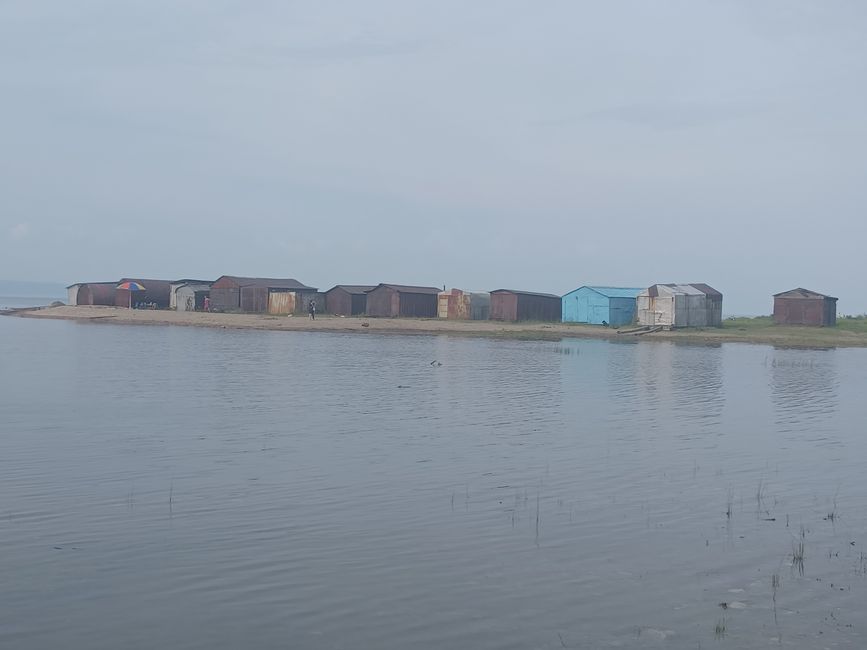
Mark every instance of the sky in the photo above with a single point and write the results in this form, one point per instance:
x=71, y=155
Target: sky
x=481, y=145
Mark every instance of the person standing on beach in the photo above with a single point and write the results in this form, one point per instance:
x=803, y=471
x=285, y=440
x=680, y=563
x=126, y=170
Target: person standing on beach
x=206, y=305
x=311, y=308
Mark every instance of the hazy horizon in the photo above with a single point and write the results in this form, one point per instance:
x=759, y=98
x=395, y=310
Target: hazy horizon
x=508, y=144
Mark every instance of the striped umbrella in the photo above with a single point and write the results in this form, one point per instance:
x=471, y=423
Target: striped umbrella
x=131, y=286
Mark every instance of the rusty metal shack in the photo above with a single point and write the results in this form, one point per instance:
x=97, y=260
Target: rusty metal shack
x=464, y=305
x=804, y=307
x=184, y=286
x=157, y=292
x=394, y=300
x=511, y=305
x=679, y=305
x=92, y=293
x=260, y=295
x=347, y=299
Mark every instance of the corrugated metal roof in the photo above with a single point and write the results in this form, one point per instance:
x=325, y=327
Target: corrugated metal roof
x=695, y=289
x=526, y=293
x=612, y=292
x=268, y=283
x=355, y=289
x=706, y=289
x=191, y=281
x=405, y=288
x=800, y=292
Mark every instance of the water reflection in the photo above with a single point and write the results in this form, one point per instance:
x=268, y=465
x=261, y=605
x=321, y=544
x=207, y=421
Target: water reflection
x=804, y=391
x=680, y=387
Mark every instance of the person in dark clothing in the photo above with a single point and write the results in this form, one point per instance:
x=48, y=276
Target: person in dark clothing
x=311, y=309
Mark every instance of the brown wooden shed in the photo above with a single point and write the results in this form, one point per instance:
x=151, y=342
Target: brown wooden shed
x=394, y=300
x=347, y=299
x=804, y=307
x=511, y=305
x=259, y=295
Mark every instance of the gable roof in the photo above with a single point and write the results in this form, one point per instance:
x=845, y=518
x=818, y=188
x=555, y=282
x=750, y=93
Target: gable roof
x=406, y=288
x=526, y=293
x=802, y=293
x=611, y=292
x=267, y=283
x=354, y=289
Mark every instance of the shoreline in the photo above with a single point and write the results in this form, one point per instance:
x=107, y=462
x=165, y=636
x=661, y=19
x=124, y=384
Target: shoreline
x=734, y=331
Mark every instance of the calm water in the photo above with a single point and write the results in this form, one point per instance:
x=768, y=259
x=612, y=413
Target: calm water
x=191, y=488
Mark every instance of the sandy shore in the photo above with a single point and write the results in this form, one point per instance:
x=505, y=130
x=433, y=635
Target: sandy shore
x=783, y=336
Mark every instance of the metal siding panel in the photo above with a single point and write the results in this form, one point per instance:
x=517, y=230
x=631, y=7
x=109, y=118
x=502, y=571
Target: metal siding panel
x=504, y=306
x=339, y=302
x=443, y=305
x=72, y=294
x=416, y=305
x=281, y=302
x=358, y=305
x=379, y=302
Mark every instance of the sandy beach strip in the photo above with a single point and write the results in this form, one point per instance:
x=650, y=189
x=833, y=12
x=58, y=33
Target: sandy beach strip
x=781, y=336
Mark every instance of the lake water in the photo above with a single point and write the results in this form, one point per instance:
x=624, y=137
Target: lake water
x=193, y=488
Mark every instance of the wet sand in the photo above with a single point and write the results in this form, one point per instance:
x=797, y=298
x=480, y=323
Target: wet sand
x=782, y=336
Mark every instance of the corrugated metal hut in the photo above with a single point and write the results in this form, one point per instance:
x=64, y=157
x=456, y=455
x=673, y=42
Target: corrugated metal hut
x=598, y=305
x=190, y=296
x=511, y=305
x=177, y=284
x=804, y=307
x=72, y=294
x=394, y=300
x=464, y=305
x=347, y=299
x=679, y=305
x=157, y=292
x=96, y=293
x=260, y=295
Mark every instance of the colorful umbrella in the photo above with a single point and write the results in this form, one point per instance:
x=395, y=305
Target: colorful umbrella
x=131, y=286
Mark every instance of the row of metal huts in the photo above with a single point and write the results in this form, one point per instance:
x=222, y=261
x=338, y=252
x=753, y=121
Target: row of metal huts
x=660, y=305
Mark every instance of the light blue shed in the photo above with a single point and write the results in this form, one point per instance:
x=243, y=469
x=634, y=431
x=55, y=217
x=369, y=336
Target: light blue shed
x=595, y=305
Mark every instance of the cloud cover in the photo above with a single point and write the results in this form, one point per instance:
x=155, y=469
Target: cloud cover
x=531, y=145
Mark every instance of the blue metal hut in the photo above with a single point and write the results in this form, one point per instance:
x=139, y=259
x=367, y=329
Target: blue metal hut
x=595, y=305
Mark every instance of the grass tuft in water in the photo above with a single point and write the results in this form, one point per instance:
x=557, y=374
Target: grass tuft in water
x=719, y=631
x=798, y=552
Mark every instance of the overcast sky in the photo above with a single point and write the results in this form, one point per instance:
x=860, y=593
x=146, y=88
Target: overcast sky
x=532, y=145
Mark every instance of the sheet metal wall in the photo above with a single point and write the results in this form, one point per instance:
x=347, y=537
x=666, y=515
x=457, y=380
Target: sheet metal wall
x=589, y=305
x=383, y=302
x=417, y=305
x=504, y=306
x=621, y=311
x=464, y=305
x=191, y=297
x=281, y=302
x=679, y=307
x=156, y=291
x=339, y=302
x=540, y=308
x=72, y=294
x=818, y=312
x=254, y=300
x=97, y=293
